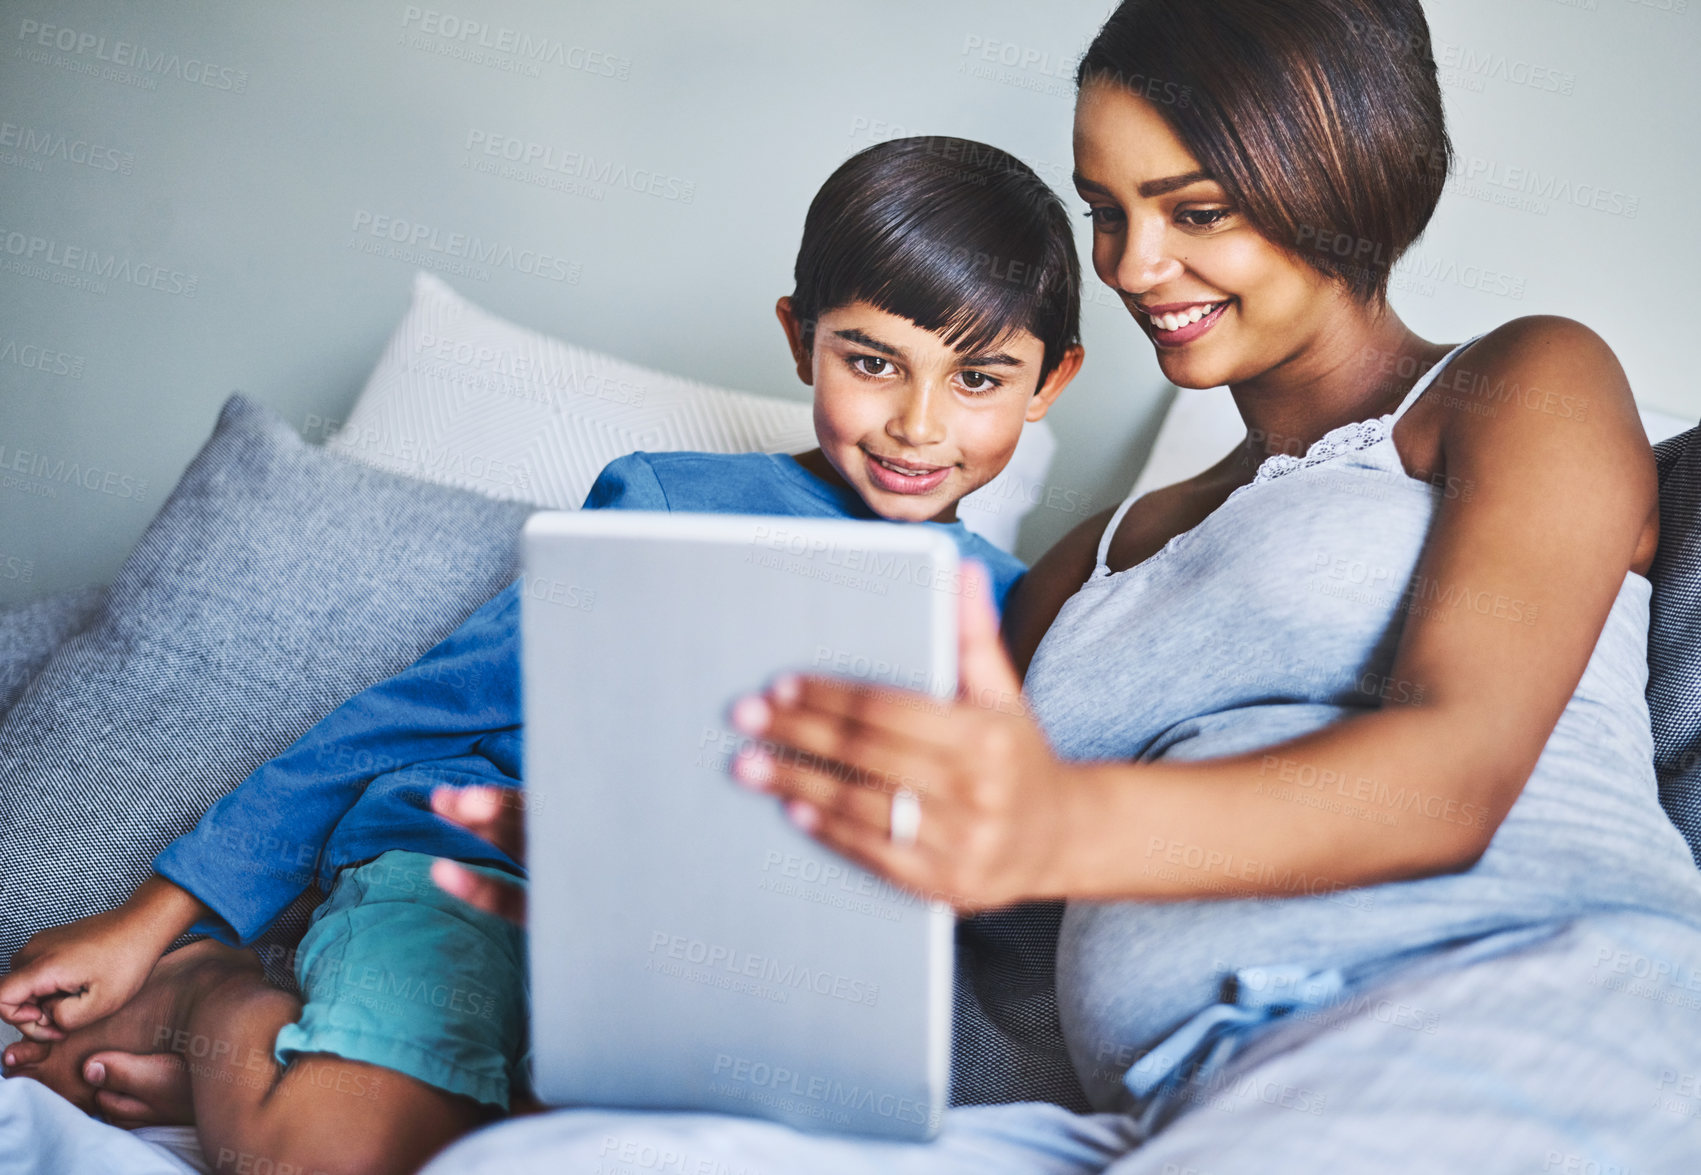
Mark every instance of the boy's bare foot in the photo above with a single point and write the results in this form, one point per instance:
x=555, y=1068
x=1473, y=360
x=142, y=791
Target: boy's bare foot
x=129, y=1089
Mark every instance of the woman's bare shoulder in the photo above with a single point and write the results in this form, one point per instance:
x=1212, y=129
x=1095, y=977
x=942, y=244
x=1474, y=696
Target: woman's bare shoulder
x=1545, y=397
x=1150, y=521
x=1552, y=367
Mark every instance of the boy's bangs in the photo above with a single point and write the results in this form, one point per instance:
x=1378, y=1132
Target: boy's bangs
x=960, y=238
x=954, y=283
x=967, y=317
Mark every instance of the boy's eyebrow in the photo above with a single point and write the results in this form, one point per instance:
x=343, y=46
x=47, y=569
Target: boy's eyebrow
x=855, y=336
x=1150, y=188
x=992, y=359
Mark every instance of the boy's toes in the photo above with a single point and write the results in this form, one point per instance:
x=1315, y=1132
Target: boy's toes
x=141, y=1089
x=21, y=1054
x=126, y=1113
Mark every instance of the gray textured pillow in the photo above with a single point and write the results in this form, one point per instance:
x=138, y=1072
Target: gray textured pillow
x=1674, y=636
x=276, y=581
x=30, y=633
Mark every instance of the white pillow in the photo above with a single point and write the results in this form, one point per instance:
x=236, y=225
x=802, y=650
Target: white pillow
x=1204, y=424
x=465, y=398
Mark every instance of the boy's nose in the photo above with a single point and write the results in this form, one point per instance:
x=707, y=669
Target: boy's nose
x=916, y=422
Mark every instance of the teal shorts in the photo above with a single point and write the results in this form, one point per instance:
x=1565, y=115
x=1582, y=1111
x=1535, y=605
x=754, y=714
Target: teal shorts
x=395, y=972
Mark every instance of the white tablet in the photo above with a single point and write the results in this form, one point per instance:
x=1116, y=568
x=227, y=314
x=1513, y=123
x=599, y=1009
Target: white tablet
x=691, y=949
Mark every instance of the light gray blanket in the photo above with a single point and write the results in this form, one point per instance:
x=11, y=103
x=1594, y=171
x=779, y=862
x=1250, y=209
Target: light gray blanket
x=1576, y=1054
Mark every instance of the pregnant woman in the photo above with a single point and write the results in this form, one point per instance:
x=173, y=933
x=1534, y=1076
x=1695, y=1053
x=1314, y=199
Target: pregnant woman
x=1347, y=731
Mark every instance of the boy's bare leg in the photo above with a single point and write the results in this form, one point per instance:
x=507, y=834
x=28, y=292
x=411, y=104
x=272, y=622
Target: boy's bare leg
x=322, y=1114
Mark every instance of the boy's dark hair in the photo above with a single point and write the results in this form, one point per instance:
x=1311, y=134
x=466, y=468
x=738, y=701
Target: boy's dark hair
x=1321, y=119
x=956, y=236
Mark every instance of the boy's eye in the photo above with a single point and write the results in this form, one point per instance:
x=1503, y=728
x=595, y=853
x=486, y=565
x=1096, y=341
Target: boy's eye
x=979, y=381
x=870, y=364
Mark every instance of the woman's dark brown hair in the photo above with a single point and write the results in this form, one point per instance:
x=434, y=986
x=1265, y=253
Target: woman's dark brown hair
x=1321, y=119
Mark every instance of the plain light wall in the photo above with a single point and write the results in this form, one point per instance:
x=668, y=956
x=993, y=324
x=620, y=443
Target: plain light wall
x=229, y=161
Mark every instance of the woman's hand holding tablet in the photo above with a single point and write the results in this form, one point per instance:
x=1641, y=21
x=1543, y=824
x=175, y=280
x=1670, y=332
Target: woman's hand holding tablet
x=994, y=800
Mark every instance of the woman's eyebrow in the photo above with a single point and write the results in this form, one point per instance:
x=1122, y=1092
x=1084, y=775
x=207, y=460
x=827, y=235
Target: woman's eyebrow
x=1150, y=188
x=855, y=336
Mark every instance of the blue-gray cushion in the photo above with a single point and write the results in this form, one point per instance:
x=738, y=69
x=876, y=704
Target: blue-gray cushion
x=1674, y=636
x=31, y=633
x=276, y=581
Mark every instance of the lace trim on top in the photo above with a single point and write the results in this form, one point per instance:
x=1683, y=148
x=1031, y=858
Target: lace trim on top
x=1348, y=438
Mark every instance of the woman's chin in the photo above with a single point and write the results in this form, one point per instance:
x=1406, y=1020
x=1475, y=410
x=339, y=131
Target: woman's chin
x=1188, y=372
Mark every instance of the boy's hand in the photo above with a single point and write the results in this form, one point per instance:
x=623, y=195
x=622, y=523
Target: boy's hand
x=72, y=975
x=497, y=814
x=69, y=976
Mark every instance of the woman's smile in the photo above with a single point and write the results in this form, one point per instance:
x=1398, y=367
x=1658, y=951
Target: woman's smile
x=1178, y=324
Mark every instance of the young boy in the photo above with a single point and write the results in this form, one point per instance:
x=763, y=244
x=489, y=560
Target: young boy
x=935, y=312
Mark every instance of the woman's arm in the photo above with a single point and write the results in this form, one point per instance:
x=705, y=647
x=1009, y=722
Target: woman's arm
x=1058, y=574
x=1543, y=429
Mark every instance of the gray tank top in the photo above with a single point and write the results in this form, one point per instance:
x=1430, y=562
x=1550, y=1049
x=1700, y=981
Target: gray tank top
x=1279, y=614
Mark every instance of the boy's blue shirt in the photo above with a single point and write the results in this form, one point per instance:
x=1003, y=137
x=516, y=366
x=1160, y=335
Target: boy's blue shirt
x=359, y=782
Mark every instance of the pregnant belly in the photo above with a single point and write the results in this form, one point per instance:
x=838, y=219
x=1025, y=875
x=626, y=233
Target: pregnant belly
x=1129, y=973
